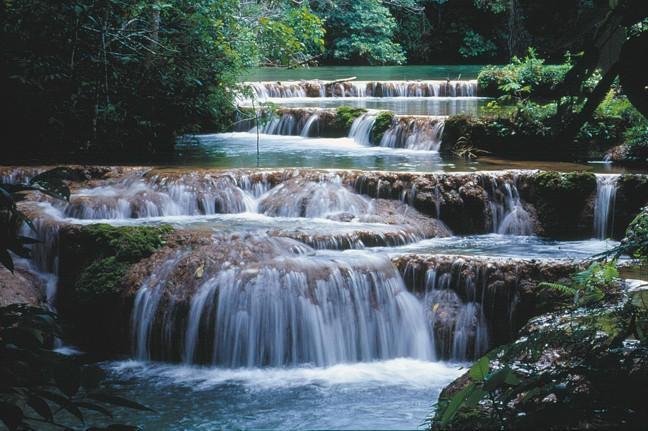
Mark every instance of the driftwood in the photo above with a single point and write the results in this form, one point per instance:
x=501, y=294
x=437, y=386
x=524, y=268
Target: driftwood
x=340, y=81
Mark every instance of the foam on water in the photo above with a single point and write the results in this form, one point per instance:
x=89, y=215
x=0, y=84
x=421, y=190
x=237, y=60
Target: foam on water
x=402, y=372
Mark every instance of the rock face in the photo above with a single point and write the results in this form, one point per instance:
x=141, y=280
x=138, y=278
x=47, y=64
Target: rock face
x=505, y=290
x=94, y=263
x=575, y=369
x=20, y=287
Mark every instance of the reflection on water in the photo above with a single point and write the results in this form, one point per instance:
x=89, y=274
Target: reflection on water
x=239, y=150
x=363, y=73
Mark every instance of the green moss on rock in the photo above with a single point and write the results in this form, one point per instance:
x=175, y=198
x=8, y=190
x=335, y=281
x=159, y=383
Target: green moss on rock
x=346, y=115
x=110, y=251
x=384, y=120
x=560, y=199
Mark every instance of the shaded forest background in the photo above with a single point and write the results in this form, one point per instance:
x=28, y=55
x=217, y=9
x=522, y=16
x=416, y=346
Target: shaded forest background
x=122, y=79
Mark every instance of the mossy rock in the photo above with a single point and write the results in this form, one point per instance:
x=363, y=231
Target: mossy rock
x=384, y=121
x=94, y=261
x=631, y=196
x=346, y=115
x=635, y=242
x=573, y=369
x=560, y=199
x=111, y=250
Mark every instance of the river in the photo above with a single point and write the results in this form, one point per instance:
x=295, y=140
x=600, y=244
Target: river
x=307, y=319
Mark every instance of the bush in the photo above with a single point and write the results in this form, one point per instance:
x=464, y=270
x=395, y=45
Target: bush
x=529, y=75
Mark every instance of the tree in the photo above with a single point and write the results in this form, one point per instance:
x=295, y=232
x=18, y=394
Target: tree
x=117, y=78
x=360, y=32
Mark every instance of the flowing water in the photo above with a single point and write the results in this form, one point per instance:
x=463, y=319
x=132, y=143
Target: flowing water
x=296, y=311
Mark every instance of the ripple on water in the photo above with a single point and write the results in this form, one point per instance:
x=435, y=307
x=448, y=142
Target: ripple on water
x=392, y=394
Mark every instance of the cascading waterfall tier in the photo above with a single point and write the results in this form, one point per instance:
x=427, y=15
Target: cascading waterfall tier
x=264, y=301
x=509, y=216
x=301, y=89
x=606, y=188
x=414, y=133
x=475, y=302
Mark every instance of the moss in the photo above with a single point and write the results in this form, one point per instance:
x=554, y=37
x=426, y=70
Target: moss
x=101, y=277
x=560, y=199
x=384, y=120
x=346, y=115
x=110, y=251
x=127, y=243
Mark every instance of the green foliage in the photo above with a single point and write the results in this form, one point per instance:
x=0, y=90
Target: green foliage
x=636, y=140
x=361, y=32
x=483, y=383
x=38, y=385
x=11, y=218
x=524, y=77
x=476, y=45
x=118, y=78
x=384, y=120
x=635, y=242
x=294, y=37
x=346, y=115
x=591, y=286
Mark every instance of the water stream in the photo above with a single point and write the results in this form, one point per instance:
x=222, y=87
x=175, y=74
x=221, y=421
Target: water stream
x=300, y=316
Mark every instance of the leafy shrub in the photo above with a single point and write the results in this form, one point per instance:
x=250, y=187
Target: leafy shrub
x=38, y=384
x=528, y=76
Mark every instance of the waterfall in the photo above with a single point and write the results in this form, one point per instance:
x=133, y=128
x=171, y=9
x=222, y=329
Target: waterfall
x=291, y=307
x=606, y=186
x=159, y=197
x=509, y=217
x=303, y=89
x=361, y=129
x=414, y=134
x=306, y=130
x=459, y=325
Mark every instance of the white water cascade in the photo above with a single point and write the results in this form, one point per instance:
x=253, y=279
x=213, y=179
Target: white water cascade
x=509, y=217
x=322, y=89
x=291, y=308
x=606, y=186
x=361, y=129
x=415, y=134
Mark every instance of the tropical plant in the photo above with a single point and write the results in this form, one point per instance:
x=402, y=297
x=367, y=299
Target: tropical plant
x=11, y=218
x=40, y=387
x=590, y=286
x=483, y=383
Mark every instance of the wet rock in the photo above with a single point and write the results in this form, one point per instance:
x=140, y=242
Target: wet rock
x=576, y=371
x=506, y=289
x=20, y=287
x=94, y=262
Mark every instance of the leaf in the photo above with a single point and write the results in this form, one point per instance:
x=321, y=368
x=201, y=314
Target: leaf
x=6, y=260
x=119, y=401
x=456, y=402
x=11, y=415
x=97, y=408
x=63, y=402
x=41, y=407
x=480, y=369
x=498, y=379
